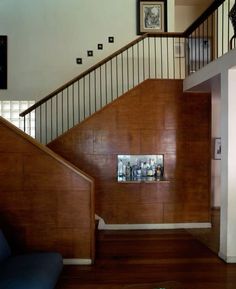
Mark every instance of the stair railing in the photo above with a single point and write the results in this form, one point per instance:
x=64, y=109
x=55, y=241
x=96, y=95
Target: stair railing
x=162, y=55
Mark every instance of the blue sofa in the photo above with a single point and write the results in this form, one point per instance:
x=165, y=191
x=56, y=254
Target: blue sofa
x=28, y=271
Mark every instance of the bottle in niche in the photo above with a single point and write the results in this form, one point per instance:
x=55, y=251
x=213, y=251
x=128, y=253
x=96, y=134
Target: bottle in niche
x=120, y=168
x=128, y=170
x=158, y=171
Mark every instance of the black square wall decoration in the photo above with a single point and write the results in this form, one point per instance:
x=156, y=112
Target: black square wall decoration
x=3, y=62
x=111, y=39
x=90, y=53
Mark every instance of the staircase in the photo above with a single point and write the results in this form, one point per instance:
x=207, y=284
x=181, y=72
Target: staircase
x=162, y=56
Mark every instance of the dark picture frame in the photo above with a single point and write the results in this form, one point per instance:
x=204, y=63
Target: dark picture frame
x=152, y=16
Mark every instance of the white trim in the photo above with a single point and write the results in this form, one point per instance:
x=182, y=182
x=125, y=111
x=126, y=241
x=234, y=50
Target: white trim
x=103, y=226
x=229, y=259
x=75, y=261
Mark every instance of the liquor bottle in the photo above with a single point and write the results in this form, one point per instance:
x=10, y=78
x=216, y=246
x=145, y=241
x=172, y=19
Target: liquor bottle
x=128, y=170
x=120, y=168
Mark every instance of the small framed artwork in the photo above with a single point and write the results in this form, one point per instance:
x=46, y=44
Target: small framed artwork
x=179, y=49
x=152, y=16
x=217, y=149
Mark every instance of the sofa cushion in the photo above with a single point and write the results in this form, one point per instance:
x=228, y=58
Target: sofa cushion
x=30, y=271
x=5, y=250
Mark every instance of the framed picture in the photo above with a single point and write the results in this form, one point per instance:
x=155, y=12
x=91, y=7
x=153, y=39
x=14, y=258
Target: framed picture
x=179, y=49
x=217, y=149
x=152, y=16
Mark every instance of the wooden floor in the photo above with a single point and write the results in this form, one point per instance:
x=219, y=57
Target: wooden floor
x=170, y=259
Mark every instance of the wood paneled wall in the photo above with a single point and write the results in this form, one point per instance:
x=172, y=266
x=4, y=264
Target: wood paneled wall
x=156, y=117
x=45, y=203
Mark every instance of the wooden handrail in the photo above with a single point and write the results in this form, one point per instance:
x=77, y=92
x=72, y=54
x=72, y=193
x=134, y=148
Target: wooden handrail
x=184, y=34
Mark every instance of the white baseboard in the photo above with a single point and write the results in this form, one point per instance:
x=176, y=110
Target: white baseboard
x=75, y=261
x=103, y=226
x=227, y=259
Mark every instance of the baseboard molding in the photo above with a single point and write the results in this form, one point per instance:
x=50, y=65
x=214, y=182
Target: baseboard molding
x=75, y=261
x=227, y=259
x=103, y=226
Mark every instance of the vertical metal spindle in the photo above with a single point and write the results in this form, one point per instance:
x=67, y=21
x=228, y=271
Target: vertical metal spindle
x=30, y=123
x=149, y=58
x=155, y=56
x=133, y=63
x=106, y=91
x=180, y=64
x=144, y=59
x=208, y=40
x=111, y=80
x=62, y=114
x=167, y=56
x=95, y=90
x=228, y=26
x=203, y=39
x=212, y=33
x=46, y=121
x=217, y=33
x=173, y=49
x=100, y=82
x=73, y=103
x=122, y=72
x=84, y=97
x=89, y=96
x=199, y=50
x=195, y=50
x=161, y=59
x=68, y=107
x=117, y=78
x=78, y=102
x=57, y=115
x=51, y=103
x=40, y=116
x=127, y=70
x=222, y=32
x=138, y=60
x=24, y=123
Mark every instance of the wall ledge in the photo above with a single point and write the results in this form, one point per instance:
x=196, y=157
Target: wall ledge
x=103, y=226
x=75, y=261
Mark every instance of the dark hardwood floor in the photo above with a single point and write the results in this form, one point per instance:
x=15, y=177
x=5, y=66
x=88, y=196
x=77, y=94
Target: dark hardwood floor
x=170, y=259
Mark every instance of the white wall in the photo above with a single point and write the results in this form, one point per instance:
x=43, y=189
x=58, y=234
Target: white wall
x=45, y=37
x=215, y=133
x=224, y=67
x=186, y=14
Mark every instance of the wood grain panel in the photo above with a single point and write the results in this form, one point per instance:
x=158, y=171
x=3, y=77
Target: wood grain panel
x=155, y=117
x=45, y=203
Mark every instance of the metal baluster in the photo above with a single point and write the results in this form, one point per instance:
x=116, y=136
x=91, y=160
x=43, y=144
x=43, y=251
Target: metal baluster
x=173, y=48
x=95, y=90
x=111, y=80
x=117, y=78
x=106, y=93
x=167, y=56
x=138, y=61
x=161, y=59
x=73, y=101
x=149, y=60
x=155, y=51
x=133, y=63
